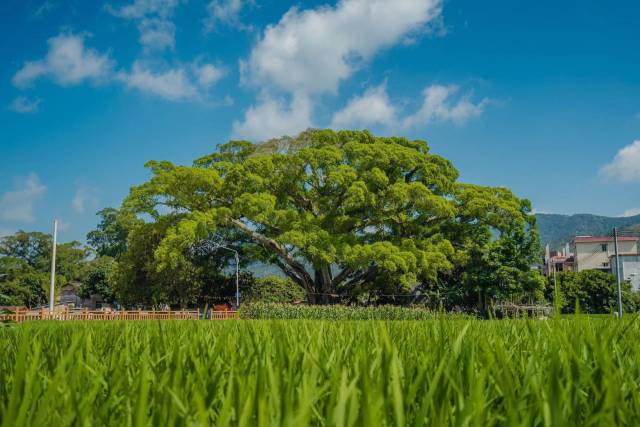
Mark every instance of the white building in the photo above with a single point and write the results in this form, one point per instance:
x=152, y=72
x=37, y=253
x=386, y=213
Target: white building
x=594, y=253
x=630, y=269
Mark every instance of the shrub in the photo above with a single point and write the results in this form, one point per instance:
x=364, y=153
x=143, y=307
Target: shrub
x=332, y=312
x=274, y=289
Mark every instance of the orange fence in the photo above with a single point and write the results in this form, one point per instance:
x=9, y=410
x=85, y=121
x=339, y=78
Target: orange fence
x=224, y=315
x=22, y=315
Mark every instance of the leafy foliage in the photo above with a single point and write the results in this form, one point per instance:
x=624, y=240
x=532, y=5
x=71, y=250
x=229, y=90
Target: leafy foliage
x=338, y=212
x=25, y=259
x=97, y=279
x=273, y=289
x=590, y=291
x=333, y=312
x=110, y=237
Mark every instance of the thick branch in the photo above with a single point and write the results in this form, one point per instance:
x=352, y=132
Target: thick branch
x=342, y=276
x=278, y=249
x=365, y=276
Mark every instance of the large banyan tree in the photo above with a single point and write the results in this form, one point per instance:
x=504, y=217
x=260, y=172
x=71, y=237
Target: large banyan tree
x=333, y=210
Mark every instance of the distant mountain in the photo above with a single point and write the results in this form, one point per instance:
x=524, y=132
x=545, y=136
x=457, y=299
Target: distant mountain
x=558, y=229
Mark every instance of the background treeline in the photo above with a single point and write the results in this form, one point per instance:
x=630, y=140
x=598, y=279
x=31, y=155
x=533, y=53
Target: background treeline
x=556, y=230
x=342, y=217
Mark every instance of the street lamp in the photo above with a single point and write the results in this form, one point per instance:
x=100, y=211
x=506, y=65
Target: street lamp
x=237, y=257
x=208, y=246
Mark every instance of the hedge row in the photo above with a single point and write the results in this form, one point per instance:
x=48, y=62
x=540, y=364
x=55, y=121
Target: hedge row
x=333, y=312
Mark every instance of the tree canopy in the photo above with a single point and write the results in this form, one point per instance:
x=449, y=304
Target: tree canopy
x=335, y=211
x=25, y=260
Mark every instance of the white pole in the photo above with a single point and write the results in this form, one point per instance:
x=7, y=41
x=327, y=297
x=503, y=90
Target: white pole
x=237, y=281
x=615, y=243
x=53, y=266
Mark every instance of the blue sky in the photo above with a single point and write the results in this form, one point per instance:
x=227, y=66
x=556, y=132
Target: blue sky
x=542, y=97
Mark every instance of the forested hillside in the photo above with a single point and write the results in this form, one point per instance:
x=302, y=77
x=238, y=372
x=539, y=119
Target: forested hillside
x=558, y=229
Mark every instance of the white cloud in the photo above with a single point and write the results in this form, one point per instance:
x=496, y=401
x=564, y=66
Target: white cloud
x=375, y=108
x=371, y=108
x=24, y=105
x=17, y=205
x=437, y=105
x=44, y=8
x=188, y=82
x=311, y=51
x=225, y=12
x=157, y=31
x=85, y=197
x=158, y=34
x=208, y=74
x=173, y=84
x=535, y=211
x=625, y=166
x=272, y=118
x=631, y=212
x=68, y=62
x=142, y=8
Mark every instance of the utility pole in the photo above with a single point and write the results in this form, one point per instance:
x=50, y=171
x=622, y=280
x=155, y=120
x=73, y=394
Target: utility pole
x=615, y=246
x=555, y=283
x=53, y=266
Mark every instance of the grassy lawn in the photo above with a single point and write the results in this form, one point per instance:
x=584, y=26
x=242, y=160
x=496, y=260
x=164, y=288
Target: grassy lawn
x=573, y=371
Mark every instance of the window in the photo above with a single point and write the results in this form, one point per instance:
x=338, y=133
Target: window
x=604, y=247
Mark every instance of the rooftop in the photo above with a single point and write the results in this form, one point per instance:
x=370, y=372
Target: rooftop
x=593, y=239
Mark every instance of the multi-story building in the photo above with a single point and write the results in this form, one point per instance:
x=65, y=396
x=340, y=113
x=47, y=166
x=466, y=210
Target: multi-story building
x=594, y=253
x=557, y=261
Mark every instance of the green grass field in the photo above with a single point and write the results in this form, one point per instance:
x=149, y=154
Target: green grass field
x=575, y=371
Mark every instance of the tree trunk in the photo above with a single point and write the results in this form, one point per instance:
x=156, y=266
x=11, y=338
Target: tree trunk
x=322, y=281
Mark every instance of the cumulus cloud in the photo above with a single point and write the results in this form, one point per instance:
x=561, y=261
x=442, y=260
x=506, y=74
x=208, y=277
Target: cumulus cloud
x=153, y=18
x=187, y=82
x=173, y=84
x=67, y=62
x=226, y=12
x=631, y=212
x=85, y=197
x=625, y=166
x=18, y=205
x=158, y=34
x=142, y=8
x=312, y=51
x=24, y=105
x=375, y=108
x=438, y=106
x=272, y=118
x=371, y=108
x=208, y=74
